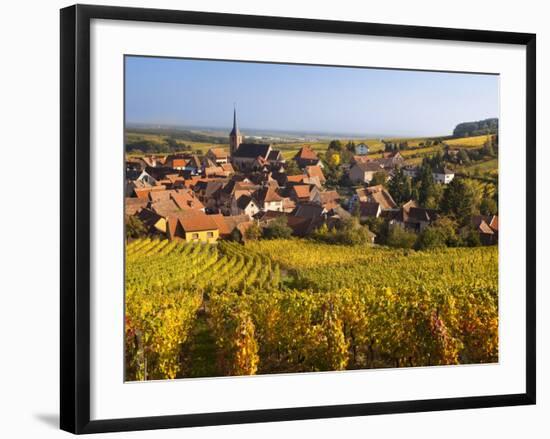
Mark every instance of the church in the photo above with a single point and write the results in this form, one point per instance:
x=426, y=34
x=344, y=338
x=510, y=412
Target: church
x=251, y=156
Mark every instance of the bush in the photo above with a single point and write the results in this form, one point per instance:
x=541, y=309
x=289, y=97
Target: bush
x=431, y=237
x=253, y=233
x=135, y=228
x=471, y=238
x=379, y=227
x=399, y=237
x=278, y=228
x=447, y=227
x=349, y=232
x=488, y=206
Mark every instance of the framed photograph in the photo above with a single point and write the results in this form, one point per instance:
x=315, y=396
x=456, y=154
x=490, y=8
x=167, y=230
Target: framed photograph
x=268, y=219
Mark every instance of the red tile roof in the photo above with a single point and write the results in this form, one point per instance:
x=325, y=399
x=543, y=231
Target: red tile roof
x=267, y=195
x=493, y=224
x=144, y=192
x=219, y=153
x=361, y=159
x=228, y=168
x=315, y=171
x=490, y=221
x=295, y=178
x=134, y=205
x=222, y=224
x=226, y=224
x=186, y=200
x=329, y=199
x=302, y=190
x=197, y=222
x=377, y=194
x=179, y=163
x=306, y=153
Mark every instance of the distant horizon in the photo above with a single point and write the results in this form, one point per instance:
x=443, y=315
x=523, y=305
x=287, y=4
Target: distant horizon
x=245, y=131
x=304, y=99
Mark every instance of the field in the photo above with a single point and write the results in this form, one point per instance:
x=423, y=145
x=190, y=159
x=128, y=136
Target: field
x=301, y=306
x=289, y=150
x=468, y=142
x=485, y=169
x=161, y=139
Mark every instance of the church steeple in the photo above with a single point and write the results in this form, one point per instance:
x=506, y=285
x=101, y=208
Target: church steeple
x=235, y=138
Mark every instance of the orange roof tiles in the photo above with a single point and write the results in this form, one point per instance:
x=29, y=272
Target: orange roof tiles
x=219, y=153
x=295, y=178
x=197, y=222
x=306, y=153
x=301, y=190
x=315, y=171
x=186, y=200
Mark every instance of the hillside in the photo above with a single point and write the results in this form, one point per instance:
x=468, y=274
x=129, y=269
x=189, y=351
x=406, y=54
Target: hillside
x=227, y=309
x=477, y=128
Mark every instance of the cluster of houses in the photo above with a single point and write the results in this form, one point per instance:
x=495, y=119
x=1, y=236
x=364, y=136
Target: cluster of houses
x=220, y=194
x=376, y=202
x=363, y=168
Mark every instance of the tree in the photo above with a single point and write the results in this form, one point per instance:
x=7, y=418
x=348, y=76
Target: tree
x=173, y=143
x=292, y=168
x=434, y=200
x=333, y=171
x=350, y=146
x=334, y=160
x=458, y=201
x=488, y=206
x=235, y=235
x=379, y=177
x=335, y=145
x=447, y=227
x=463, y=156
x=488, y=147
x=435, y=161
x=379, y=227
x=400, y=187
x=349, y=232
x=356, y=209
x=430, y=237
x=278, y=228
x=399, y=237
x=135, y=228
x=471, y=238
x=254, y=232
x=426, y=183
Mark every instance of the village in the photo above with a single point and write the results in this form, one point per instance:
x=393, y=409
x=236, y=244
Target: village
x=251, y=190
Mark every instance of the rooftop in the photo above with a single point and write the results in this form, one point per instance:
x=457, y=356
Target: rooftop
x=252, y=150
x=306, y=153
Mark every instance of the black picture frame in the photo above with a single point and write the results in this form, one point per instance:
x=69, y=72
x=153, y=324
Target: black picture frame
x=75, y=217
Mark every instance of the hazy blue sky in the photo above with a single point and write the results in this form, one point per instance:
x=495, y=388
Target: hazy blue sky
x=305, y=98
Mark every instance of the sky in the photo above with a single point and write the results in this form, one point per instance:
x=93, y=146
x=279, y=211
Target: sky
x=304, y=98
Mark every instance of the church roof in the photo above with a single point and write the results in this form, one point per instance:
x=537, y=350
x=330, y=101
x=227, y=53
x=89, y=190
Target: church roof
x=252, y=150
x=274, y=155
x=235, y=130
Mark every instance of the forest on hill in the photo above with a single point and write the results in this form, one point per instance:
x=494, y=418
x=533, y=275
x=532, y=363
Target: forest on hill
x=478, y=128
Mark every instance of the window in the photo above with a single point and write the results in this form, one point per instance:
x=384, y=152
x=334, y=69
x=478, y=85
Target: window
x=195, y=236
x=210, y=234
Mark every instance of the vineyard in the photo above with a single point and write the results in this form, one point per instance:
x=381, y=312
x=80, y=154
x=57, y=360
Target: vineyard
x=301, y=306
